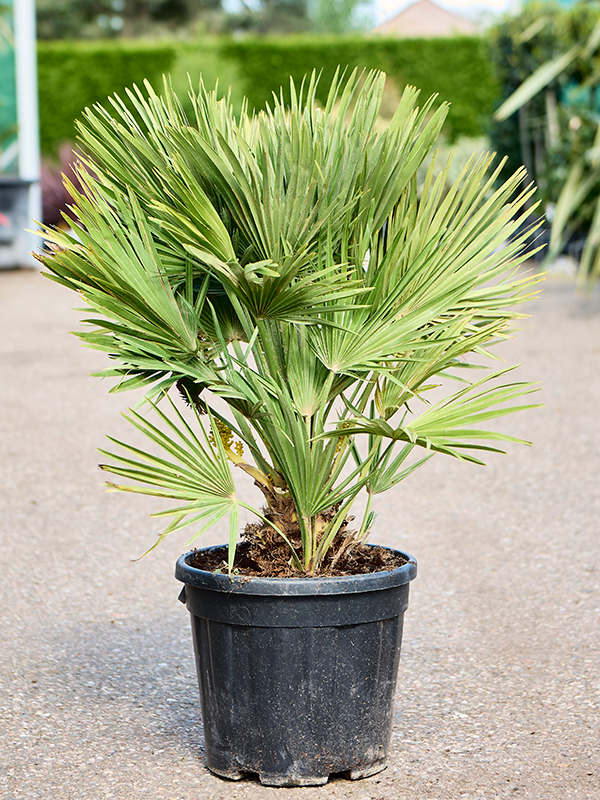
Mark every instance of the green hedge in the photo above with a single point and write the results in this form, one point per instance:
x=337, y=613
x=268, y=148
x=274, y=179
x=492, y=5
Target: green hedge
x=73, y=75
x=456, y=68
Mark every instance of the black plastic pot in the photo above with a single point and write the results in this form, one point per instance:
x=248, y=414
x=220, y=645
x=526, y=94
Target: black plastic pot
x=297, y=676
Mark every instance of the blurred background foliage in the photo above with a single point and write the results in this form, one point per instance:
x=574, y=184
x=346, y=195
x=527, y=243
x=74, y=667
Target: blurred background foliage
x=92, y=19
x=89, y=49
x=76, y=74
x=543, y=135
x=547, y=64
x=58, y=19
x=457, y=69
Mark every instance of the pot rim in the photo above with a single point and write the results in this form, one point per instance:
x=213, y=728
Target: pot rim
x=345, y=584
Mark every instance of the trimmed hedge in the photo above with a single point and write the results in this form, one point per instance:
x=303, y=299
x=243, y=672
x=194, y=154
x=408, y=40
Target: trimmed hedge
x=458, y=69
x=73, y=75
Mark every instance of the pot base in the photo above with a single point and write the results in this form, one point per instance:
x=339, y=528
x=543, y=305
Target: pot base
x=366, y=772
x=301, y=780
x=291, y=780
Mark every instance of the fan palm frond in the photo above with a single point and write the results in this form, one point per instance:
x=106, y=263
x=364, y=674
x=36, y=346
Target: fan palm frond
x=285, y=270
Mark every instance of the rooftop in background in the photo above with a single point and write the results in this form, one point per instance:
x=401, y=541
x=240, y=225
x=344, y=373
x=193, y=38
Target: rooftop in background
x=426, y=19
x=479, y=12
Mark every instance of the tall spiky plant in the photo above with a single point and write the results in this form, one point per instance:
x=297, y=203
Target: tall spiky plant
x=285, y=267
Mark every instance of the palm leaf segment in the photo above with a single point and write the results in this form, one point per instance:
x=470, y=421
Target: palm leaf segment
x=289, y=264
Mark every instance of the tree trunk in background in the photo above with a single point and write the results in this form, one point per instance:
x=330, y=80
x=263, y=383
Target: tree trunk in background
x=525, y=143
x=553, y=129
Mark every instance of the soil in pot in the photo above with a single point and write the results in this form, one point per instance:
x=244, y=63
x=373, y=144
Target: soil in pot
x=254, y=561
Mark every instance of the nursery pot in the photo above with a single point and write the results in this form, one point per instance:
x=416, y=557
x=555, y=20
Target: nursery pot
x=297, y=675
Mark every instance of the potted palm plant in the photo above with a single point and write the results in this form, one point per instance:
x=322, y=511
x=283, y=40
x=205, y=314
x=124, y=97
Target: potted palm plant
x=291, y=298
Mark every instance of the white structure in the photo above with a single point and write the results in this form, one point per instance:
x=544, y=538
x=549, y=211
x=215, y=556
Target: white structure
x=20, y=193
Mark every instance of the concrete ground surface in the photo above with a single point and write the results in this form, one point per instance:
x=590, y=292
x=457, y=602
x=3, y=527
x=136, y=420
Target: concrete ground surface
x=499, y=687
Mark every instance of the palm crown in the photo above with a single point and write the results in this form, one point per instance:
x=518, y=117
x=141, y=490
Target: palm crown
x=286, y=271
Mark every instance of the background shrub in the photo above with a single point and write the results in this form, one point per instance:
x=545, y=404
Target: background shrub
x=458, y=69
x=73, y=75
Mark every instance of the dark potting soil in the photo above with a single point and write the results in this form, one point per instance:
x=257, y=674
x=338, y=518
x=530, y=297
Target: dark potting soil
x=273, y=562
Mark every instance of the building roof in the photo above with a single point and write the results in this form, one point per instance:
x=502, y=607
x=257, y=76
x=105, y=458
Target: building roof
x=425, y=19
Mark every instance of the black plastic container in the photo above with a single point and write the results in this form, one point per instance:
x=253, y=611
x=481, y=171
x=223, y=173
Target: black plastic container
x=297, y=676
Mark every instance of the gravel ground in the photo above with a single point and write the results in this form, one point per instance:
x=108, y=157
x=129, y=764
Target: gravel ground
x=499, y=689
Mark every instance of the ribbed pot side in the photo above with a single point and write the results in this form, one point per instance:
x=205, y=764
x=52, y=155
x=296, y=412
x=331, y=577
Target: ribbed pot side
x=297, y=676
